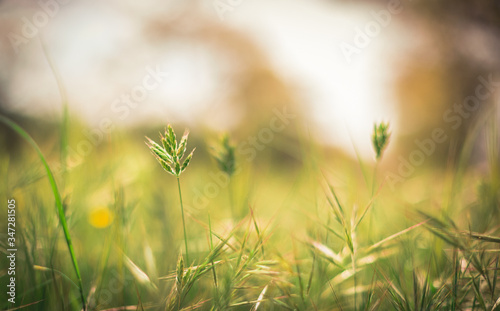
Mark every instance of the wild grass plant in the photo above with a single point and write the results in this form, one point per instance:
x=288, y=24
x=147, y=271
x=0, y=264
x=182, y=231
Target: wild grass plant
x=170, y=156
x=224, y=155
x=57, y=198
x=324, y=237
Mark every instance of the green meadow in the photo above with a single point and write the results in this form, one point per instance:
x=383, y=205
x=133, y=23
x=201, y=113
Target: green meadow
x=269, y=220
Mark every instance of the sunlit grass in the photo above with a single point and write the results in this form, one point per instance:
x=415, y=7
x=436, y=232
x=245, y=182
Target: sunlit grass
x=319, y=233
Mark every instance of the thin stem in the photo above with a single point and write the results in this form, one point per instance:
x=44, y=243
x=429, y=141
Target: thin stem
x=231, y=199
x=374, y=184
x=65, y=113
x=210, y=229
x=353, y=259
x=211, y=249
x=374, y=181
x=183, y=221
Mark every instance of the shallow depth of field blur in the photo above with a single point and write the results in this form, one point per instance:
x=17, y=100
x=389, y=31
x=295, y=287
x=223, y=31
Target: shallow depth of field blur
x=310, y=219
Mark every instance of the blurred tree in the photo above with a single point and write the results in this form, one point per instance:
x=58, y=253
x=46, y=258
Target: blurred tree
x=254, y=90
x=458, y=51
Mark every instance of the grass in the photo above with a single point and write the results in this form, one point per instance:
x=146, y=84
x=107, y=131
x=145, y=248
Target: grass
x=57, y=197
x=312, y=231
x=170, y=156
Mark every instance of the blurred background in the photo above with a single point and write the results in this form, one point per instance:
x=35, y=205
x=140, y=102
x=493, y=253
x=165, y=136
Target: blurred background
x=226, y=64
x=297, y=85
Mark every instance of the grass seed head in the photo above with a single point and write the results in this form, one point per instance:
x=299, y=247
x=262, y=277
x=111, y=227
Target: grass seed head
x=380, y=138
x=171, y=153
x=224, y=154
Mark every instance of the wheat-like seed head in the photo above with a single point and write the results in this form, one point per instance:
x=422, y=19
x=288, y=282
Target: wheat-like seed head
x=224, y=155
x=380, y=138
x=171, y=152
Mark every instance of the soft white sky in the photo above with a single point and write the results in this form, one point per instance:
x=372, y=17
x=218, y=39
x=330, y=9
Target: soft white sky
x=300, y=38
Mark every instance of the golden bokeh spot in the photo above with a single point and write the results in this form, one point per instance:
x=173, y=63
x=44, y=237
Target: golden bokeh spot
x=100, y=217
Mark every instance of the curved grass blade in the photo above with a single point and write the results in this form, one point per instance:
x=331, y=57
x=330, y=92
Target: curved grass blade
x=65, y=111
x=46, y=269
x=57, y=196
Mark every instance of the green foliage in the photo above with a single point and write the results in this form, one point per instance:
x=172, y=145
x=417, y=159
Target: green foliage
x=57, y=197
x=298, y=247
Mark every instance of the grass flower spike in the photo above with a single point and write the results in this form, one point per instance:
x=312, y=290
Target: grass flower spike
x=170, y=156
x=224, y=155
x=171, y=152
x=380, y=138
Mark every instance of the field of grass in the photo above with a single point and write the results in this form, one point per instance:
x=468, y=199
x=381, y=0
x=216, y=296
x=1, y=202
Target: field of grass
x=294, y=227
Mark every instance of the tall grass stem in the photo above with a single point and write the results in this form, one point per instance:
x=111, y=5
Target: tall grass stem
x=183, y=220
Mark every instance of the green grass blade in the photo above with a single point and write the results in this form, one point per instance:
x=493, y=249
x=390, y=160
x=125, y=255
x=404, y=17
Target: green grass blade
x=257, y=229
x=456, y=270
x=481, y=237
x=479, y=295
x=57, y=197
x=65, y=111
x=394, y=236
